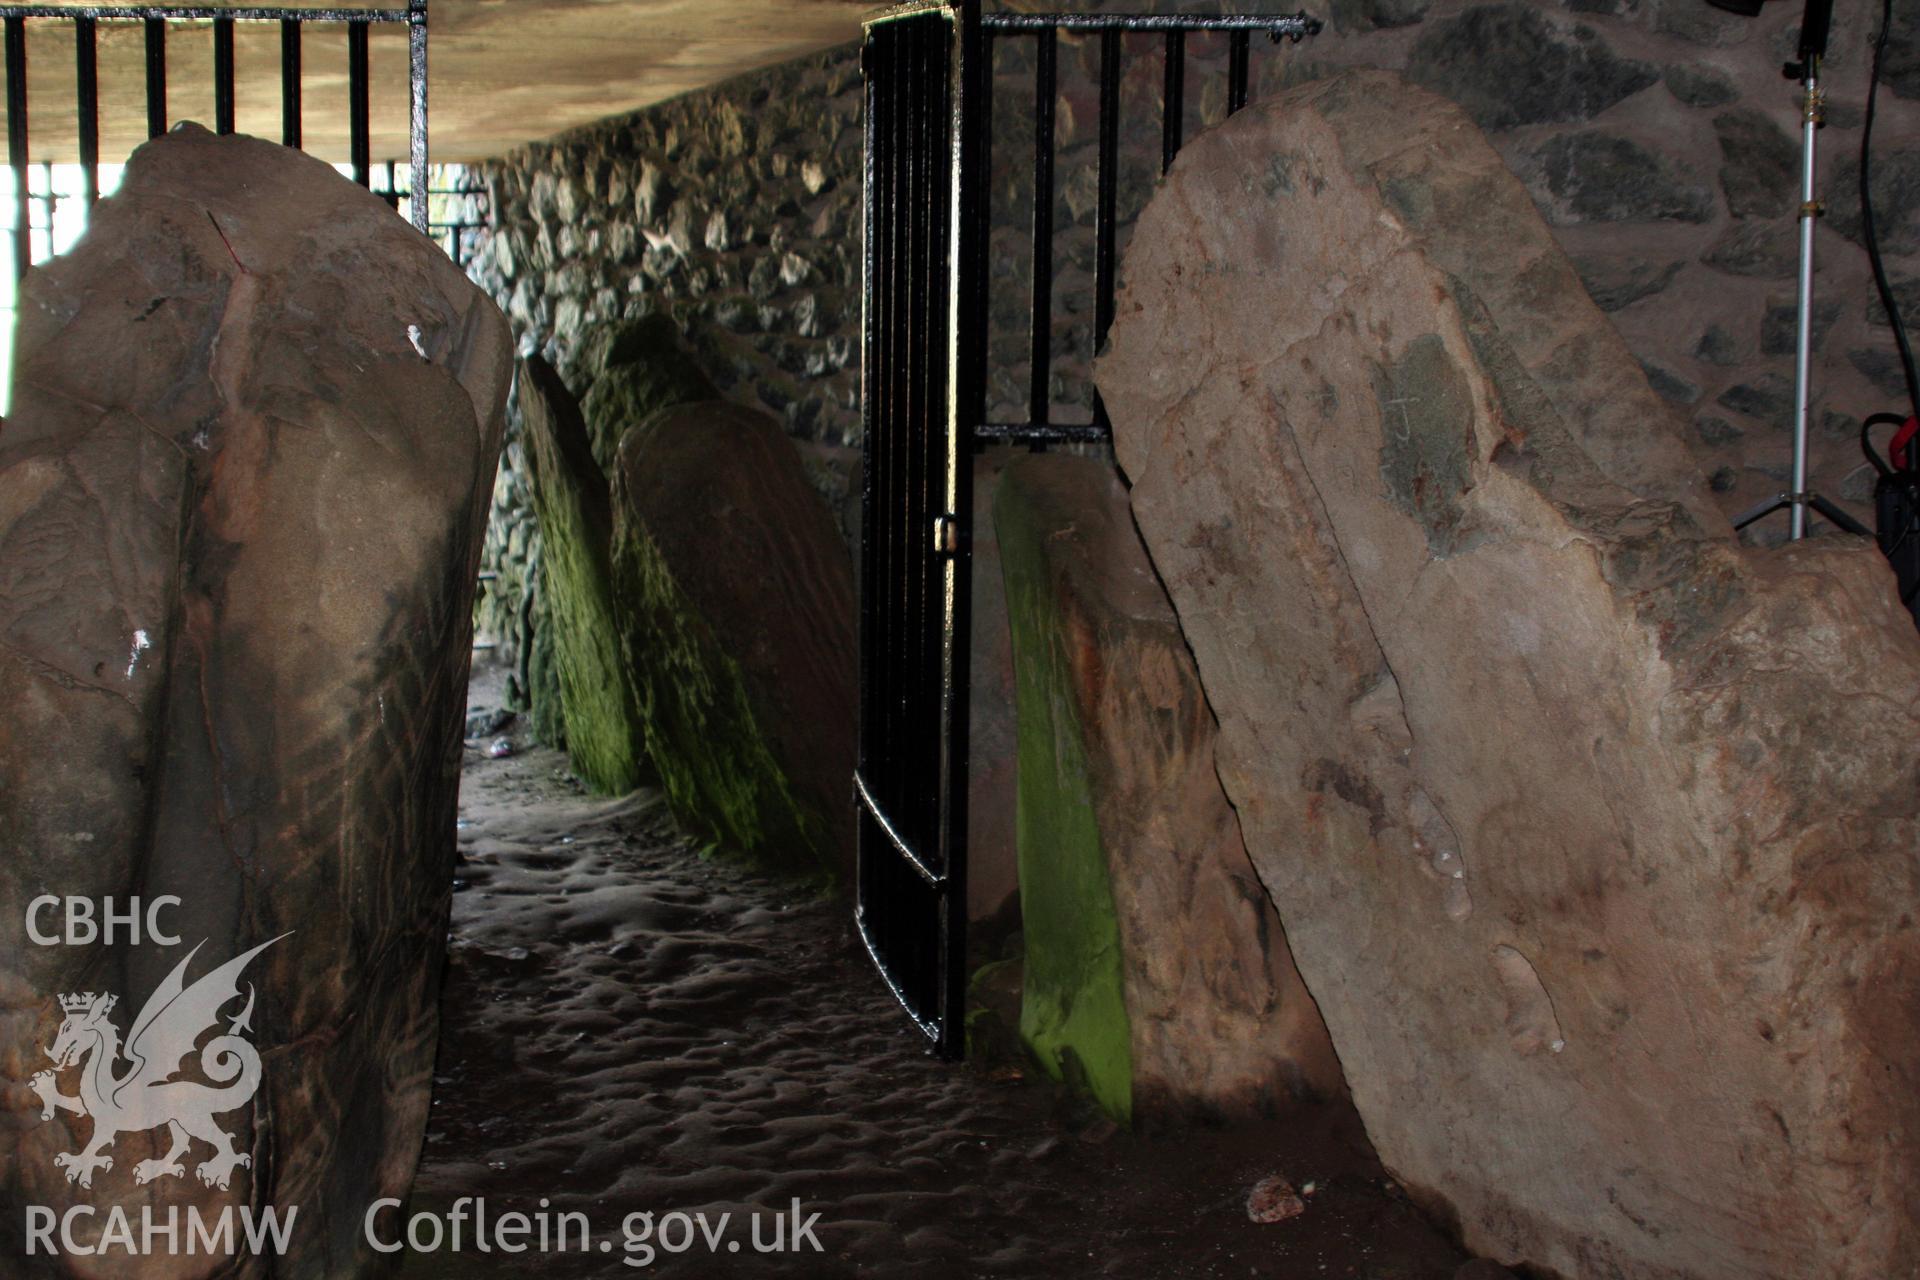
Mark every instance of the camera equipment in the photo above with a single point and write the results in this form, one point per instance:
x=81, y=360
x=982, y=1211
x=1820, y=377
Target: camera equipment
x=1814, y=26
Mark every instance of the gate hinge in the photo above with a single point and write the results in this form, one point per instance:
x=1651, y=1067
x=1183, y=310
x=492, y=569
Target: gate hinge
x=946, y=534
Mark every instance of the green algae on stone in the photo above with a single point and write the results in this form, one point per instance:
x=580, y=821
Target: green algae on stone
x=602, y=723
x=1073, y=1009
x=711, y=755
x=735, y=602
x=543, y=681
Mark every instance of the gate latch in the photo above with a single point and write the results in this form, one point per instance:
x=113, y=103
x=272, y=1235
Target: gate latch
x=946, y=535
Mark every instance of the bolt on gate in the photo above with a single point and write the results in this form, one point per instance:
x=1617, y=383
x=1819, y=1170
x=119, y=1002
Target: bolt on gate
x=930, y=98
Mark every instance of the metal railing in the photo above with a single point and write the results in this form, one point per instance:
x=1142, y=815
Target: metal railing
x=155, y=22
x=1044, y=30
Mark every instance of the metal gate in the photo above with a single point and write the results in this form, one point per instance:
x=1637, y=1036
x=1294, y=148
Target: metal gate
x=924, y=408
x=920, y=354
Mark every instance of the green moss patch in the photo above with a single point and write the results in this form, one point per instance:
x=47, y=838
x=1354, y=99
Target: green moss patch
x=702, y=736
x=1073, y=1012
x=570, y=498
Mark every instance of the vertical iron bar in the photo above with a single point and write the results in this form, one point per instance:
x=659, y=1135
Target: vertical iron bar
x=360, y=144
x=1236, y=71
x=899, y=220
x=914, y=535
x=290, y=82
x=974, y=276
x=1109, y=163
x=17, y=144
x=86, y=78
x=156, y=76
x=422, y=198
x=868, y=409
x=223, y=75
x=1042, y=331
x=1173, y=99
x=966, y=339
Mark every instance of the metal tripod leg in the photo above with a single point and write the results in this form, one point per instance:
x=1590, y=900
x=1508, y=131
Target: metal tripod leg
x=1798, y=503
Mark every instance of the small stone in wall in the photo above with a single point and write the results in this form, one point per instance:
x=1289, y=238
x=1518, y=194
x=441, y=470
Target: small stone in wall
x=1765, y=248
x=651, y=192
x=1900, y=70
x=1896, y=199
x=719, y=236
x=1507, y=65
x=1698, y=22
x=806, y=316
x=1600, y=176
x=1780, y=327
x=1760, y=169
x=1717, y=346
x=1769, y=399
x=1837, y=426
x=1668, y=385
x=763, y=278
x=1699, y=85
x=1906, y=296
x=1617, y=282
x=1716, y=431
x=1351, y=16
x=1880, y=367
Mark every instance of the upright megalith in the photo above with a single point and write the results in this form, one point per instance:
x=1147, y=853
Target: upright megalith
x=598, y=713
x=1156, y=972
x=735, y=598
x=255, y=424
x=1593, y=832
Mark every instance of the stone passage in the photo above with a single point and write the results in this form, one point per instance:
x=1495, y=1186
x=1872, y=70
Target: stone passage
x=1156, y=974
x=256, y=419
x=1592, y=832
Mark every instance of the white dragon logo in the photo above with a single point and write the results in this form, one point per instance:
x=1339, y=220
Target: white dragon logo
x=147, y=1095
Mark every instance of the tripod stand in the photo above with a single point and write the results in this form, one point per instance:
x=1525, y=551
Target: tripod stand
x=1798, y=499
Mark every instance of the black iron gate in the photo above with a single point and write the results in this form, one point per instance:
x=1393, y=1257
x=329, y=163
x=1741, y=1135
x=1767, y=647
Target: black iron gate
x=920, y=354
x=924, y=407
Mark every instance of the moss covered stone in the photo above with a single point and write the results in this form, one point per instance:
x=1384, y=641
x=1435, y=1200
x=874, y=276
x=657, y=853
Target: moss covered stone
x=1073, y=1012
x=543, y=680
x=633, y=370
x=581, y=640
x=1157, y=976
x=736, y=605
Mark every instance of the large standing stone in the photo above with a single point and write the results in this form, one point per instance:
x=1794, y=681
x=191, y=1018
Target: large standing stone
x=598, y=711
x=240, y=517
x=1593, y=833
x=1156, y=969
x=993, y=877
x=735, y=595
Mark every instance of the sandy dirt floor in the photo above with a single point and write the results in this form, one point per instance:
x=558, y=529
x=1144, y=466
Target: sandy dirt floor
x=630, y=1029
